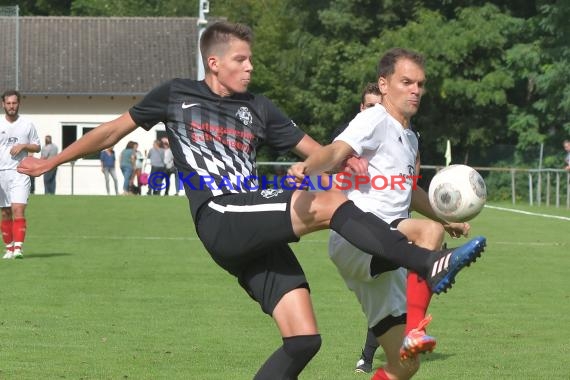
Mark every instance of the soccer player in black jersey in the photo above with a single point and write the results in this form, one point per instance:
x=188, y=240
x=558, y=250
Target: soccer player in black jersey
x=214, y=127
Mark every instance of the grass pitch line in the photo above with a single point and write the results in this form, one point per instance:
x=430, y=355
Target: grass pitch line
x=528, y=213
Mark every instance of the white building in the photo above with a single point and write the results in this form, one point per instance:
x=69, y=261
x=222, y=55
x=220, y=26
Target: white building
x=77, y=72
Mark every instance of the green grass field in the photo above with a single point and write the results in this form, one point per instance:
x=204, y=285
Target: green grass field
x=121, y=288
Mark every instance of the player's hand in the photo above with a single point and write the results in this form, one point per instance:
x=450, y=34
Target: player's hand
x=34, y=166
x=296, y=172
x=456, y=230
x=16, y=149
x=356, y=165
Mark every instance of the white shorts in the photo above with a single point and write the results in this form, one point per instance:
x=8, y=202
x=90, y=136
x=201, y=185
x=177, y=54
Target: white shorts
x=379, y=296
x=14, y=187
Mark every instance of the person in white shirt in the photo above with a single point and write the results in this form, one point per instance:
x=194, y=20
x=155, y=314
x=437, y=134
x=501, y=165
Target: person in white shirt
x=395, y=306
x=18, y=138
x=170, y=168
x=49, y=150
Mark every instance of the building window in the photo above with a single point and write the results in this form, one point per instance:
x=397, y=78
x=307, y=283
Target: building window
x=72, y=132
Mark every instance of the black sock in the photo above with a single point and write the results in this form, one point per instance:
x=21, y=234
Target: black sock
x=370, y=347
x=290, y=359
x=372, y=235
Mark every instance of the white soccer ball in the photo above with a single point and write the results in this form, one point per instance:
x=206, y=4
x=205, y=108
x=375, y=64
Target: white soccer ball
x=457, y=193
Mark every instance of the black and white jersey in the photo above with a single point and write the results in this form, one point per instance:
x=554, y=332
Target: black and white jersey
x=214, y=139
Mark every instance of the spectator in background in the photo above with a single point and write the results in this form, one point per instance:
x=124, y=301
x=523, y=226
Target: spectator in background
x=136, y=185
x=156, y=157
x=567, y=159
x=170, y=168
x=139, y=161
x=108, y=160
x=49, y=150
x=127, y=164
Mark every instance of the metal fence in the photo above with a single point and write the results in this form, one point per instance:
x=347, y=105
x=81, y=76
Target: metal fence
x=550, y=187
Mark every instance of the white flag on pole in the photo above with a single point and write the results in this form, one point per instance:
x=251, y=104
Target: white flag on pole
x=448, y=153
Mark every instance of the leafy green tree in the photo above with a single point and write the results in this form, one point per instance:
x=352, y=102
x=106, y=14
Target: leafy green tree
x=40, y=7
x=124, y=8
x=497, y=70
x=541, y=104
x=468, y=81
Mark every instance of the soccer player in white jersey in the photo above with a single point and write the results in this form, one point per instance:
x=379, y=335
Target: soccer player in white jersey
x=382, y=135
x=18, y=137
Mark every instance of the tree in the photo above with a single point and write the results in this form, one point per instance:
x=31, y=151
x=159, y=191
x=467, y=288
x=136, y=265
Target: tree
x=124, y=8
x=41, y=7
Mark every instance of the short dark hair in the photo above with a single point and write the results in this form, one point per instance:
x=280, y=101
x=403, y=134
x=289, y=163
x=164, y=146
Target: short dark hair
x=220, y=33
x=10, y=93
x=387, y=64
x=370, y=88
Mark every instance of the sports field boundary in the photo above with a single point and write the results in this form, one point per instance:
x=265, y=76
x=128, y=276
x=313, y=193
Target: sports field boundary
x=528, y=213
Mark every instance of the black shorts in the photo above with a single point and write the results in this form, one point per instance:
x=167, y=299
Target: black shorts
x=387, y=323
x=247, y=234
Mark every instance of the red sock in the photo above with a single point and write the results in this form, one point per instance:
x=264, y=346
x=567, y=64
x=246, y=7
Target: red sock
x=418, y=295
x=380, y=374
x=7, y=231
x=19, y=230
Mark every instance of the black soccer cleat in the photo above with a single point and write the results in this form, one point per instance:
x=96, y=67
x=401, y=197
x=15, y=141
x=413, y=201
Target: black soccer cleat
x=451, y=261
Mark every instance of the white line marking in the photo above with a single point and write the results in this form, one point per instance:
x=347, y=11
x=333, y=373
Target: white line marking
x=528, y=213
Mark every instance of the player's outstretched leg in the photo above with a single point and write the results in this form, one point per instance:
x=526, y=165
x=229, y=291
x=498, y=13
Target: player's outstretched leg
x=450, y=261
x=417, y=341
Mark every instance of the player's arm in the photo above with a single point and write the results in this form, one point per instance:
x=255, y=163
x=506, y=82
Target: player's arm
x=321, y=160
x=306, y=147
x=103, y=136
x=30, y=148
x=420, y=199
x=420, y=203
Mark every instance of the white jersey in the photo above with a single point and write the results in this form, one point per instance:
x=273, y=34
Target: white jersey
x=391, y=151
x=22, y=131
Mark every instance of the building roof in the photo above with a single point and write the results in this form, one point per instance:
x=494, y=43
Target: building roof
x=95, y=55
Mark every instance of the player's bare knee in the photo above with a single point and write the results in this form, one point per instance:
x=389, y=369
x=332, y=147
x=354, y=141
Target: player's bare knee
x=315, y=209
x=432, y=235
x=330, y=201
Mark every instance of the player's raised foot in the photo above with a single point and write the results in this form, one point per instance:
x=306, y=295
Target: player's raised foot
x=8, y=255
x=417, y=341
x=362, y=366
x=18, y=254
x=450, y=261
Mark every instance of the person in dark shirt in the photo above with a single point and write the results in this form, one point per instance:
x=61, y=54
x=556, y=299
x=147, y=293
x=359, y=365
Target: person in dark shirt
x=214, y=127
